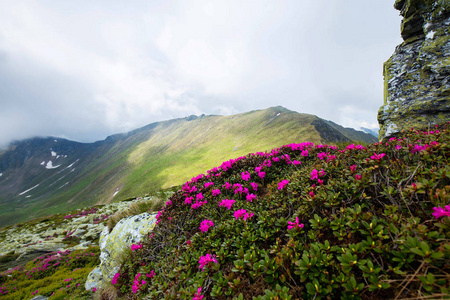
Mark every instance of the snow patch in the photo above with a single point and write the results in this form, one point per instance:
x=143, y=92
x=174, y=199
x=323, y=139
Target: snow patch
x=70, y=166
x=115, y=193
x=1, y=174
x=24, y=192
x=43, y=163
x=28, y=196
x=430, y=35
x=63, y=185
x=53, y=153
x=58, y=156
x=50, y=165
x=278, y=114
x=55, y=141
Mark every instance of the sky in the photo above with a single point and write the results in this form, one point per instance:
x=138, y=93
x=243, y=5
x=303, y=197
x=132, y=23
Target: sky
x=83, y=70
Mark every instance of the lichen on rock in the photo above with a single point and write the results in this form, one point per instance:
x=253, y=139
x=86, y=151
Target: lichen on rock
x=114, y=244
x=417, y=76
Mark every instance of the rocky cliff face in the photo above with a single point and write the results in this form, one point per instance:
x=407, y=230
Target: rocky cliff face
x=417, y=76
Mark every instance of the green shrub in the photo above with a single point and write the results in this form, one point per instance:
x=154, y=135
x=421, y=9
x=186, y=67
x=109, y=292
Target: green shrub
x=352, y=222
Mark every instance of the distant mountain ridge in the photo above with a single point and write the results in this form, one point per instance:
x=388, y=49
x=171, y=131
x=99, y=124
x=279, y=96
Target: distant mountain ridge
x=43, y=176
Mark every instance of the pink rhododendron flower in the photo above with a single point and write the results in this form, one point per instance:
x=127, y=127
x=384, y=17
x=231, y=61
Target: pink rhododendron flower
x=198, y=296
x=296, y=224
x=320, y=181
x=115, y=278
x=314, y=174
x=377, y=156
x=151, y=274
x=242, y=213
x=282, y=184
x=239, y=213
x=311, y=193
x=248, y=216
x=188, y=200
x=331, y=157
x=227, y=203
x=208, y=184
x=136, y=283
x=198, y=204
x=441, y=212
x=262, y=174
x=205, y=260
x=205, y=225
x=168, y=203
x=216, y=192
x=245, y=176
x=251, y=197
x=227, y=185
x=199, y=196
x=304, y=153
x=296, y=162
x=276, y=159
x=358, y=177
x=353, y=168
x=321, y=173
x=135, y=247
x=418, y=148
x=254, y=186
x=398, y=147
x=321, y=155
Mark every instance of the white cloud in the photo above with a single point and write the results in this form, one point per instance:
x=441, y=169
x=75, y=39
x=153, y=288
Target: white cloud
x=103, y=67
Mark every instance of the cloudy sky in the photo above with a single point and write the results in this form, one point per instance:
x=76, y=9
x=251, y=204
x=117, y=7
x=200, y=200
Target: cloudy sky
x=87, y=69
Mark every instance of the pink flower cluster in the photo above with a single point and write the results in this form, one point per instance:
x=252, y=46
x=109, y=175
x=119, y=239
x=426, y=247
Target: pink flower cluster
x=208, y=184
x=282, y=184
x=115, y=278
x=197, y=296
x=441, y=212
x=377, y=156
x=135, y=247
x=205, y=260
x=242, y=213
x=316, y=174
x=296, y=224
x=137, y=284
x=227, y=203
x=205, y=225
x=245, y=176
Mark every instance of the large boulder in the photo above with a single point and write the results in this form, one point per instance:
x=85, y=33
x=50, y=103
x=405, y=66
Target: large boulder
x=127, y=231
x=417, y=76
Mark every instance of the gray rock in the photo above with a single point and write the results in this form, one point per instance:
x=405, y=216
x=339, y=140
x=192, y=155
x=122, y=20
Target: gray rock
x=417, y=76
x=127, y=231
x=39, y=297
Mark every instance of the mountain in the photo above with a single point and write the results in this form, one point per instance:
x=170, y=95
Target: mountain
x=42, y=176
x=373, y=132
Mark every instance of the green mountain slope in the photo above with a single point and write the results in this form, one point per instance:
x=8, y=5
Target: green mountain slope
x=159, y=155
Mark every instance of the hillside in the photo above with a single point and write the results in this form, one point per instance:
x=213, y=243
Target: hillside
x=302, y=221
x=43, y=176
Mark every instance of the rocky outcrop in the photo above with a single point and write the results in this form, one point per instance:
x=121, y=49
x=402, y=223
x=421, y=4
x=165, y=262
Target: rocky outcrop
x=417, y=76
x=114, y=244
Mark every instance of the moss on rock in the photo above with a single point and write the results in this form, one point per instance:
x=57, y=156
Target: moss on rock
x=417, y=77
